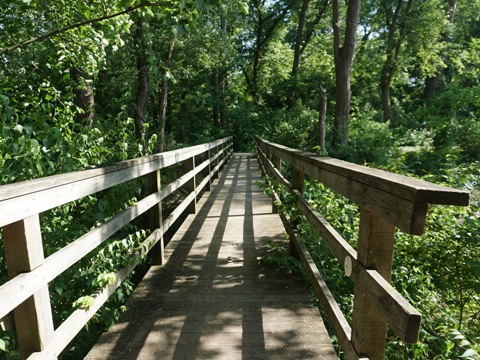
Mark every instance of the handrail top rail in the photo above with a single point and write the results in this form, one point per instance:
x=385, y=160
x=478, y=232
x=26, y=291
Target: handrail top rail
x=23, y=199
x=21, y=188
x=411, y=189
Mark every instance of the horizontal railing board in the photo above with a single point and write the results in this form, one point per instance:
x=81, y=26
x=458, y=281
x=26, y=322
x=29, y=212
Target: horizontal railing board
x=411, y=189
x=275, y=172
x=79, y=318
x=402, y=317
x=401, y=200
x=334, y=314
x=18, y=289
x=338, y=246
x=15, y=291
x=399, y=314
x=20, y=200
x=46, y=193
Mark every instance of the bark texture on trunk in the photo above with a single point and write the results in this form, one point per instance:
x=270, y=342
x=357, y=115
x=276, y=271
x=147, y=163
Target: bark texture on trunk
x=322, y=120
x=344, y=54
x=142, y=80
x=164, y=98
x=297, y=54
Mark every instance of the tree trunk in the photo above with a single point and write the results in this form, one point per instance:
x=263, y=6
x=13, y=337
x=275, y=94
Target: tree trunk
x=84, y=97
x=297, y=53
x=164, y=98
x=431, y=86
x=322, y=116
x=142, y=80
x=256, y=57
x=218, y=84
x=265, y=25
x=385, y=81
x=343, y=56
x=216, y=99
x=222, y=79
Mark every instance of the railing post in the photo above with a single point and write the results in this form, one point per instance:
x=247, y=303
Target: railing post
x=260, y=158
x=215, y=163
x=154, y=184
x=191, y=186
x=375, y=251
x=298, y=178
x=298, y=183
x=208, y=186
x=277, y=165
x=24, y=252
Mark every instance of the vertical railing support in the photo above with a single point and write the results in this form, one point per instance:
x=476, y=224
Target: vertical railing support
x=222, y=148
x=191, y=186
x=208, y=187
x=375, y=251
x=277, y=165
x=298, y=183
x=215, y=163
x=24, y=252
x=154, y=184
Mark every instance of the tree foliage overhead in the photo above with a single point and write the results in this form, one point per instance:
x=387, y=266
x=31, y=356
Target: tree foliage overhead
x=395, y=83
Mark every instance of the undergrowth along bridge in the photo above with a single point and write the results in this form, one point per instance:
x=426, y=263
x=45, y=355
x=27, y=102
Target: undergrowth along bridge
x=209, y=289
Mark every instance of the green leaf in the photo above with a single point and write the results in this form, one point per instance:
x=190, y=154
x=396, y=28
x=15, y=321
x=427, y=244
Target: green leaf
x=3, y=345
x=18, y=128
x=468, y=353
x=84, y=302
x=244, y=7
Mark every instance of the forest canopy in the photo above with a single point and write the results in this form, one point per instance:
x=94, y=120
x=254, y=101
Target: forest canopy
x=393, y=84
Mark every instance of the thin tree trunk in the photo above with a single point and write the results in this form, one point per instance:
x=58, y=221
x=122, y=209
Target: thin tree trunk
x=385, y=80
x=164, y=99
x=322, y=116
x=142, y=80
x=222, y=80
x=343, y=56
x=256, y=57
x=297, y=53
x=216, y=99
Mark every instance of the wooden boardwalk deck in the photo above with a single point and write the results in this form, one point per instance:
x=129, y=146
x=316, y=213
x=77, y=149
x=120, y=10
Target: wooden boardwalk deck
x=213, y=299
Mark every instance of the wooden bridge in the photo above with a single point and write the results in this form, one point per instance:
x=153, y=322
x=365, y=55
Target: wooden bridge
x=209, y=295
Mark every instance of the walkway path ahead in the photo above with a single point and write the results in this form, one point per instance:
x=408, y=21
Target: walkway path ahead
x=214, y=299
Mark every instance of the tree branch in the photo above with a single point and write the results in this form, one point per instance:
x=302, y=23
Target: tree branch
x=73, y=26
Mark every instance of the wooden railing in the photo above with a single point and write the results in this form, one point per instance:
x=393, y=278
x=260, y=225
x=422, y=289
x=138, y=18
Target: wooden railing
x=386, y=201
x=26, y=294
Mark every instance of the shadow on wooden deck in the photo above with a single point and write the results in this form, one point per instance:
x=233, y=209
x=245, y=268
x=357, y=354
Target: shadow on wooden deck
x=214, y=299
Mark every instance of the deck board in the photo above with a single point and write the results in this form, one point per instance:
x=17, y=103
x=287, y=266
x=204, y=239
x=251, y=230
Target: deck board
x=214, y=299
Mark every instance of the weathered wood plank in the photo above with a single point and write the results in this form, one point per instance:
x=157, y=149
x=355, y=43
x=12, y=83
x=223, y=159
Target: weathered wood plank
x=24, y=199
x=213, y=299
x=19, y=288
x=375, y=251
x=24, y=253
x=269, y=168
x=411, y=189
x=335, y=316
x=155, y=213
x=401, y=200
x=402, y=317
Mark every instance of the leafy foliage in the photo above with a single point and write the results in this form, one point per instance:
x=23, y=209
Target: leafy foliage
x=230, y=74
